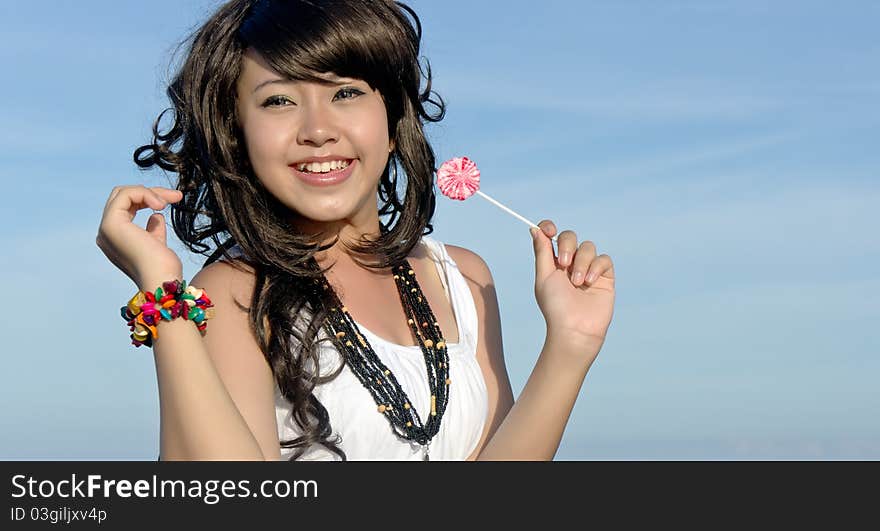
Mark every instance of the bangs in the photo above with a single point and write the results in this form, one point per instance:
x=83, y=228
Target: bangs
x=303, y=41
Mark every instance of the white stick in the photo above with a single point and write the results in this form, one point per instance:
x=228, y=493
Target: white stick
x=511, y=212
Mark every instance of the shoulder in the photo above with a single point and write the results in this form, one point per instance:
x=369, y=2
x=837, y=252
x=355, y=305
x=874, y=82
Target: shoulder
x=471, y=265
x=226, y=282
x=490, y=347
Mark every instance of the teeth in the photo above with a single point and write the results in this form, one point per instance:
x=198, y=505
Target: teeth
x=322, y=167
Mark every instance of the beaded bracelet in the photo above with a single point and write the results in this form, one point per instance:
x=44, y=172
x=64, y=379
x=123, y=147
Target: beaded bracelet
x=172, y=300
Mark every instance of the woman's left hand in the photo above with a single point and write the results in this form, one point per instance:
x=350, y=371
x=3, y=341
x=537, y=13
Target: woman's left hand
x=575, y=290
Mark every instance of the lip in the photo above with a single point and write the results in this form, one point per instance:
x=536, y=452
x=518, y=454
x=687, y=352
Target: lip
x=325, y=179
x=326, y=158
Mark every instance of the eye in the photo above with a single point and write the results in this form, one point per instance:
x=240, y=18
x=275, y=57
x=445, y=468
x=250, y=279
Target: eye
x=276, y=101
x=348, y=93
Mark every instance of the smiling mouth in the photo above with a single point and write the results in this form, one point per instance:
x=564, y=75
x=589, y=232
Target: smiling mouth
x=322, y=167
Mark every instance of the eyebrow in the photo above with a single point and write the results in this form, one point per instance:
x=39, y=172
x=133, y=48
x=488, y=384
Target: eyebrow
x=287, y=81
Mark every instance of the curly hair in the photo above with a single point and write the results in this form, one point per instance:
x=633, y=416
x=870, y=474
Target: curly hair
x=376, y=41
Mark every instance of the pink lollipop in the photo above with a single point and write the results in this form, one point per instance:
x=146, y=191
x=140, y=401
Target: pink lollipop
x=459, y=178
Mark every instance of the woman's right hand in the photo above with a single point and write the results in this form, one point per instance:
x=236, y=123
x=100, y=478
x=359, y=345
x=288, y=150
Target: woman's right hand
x=137, y=252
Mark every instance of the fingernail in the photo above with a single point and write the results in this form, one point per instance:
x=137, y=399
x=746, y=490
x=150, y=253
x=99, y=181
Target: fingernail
x=578, y=276
x=591, y=277
x=534, y=232
x=564, y=258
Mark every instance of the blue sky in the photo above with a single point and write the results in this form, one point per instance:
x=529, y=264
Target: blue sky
x=724, y=153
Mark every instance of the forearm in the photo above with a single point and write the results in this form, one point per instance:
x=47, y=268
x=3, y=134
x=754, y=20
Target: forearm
x=534, y=425
x=199, y=420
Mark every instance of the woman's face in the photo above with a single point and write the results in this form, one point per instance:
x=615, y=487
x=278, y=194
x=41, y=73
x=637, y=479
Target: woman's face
x=286, y=123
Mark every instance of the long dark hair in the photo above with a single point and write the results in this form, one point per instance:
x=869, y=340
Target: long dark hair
x=376, y=41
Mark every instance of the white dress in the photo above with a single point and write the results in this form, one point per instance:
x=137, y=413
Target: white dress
x=365, y=433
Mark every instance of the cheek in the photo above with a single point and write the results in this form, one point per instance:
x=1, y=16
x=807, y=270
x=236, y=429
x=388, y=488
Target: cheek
x=372, y=133
x=265, y=143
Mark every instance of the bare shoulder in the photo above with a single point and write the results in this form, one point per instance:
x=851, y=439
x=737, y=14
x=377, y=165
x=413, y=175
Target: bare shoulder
x=229, y=282
x=471, y=265
x=489, y=350
x=236, y=353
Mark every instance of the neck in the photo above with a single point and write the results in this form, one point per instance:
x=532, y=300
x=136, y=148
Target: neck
x=347, y=232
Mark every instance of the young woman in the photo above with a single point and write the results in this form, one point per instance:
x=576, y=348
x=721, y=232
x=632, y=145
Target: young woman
x=332, y=333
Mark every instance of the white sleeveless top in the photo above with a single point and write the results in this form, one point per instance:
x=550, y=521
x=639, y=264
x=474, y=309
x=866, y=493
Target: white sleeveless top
x=365, y=433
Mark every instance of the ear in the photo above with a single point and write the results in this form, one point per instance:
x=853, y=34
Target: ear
x=391, y=146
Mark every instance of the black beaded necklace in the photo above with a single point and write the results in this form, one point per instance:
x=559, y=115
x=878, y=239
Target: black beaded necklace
x=390, y=398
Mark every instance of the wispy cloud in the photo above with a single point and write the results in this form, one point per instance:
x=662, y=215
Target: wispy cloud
x=26, y=135
x=720, y=153
x=623, y=98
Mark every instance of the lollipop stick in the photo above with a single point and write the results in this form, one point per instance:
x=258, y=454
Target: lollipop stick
x=511, y=212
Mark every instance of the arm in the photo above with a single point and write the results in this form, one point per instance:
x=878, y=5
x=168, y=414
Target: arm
x=532, y=427
x=215, y=393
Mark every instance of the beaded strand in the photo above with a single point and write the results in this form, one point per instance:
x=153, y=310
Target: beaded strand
x=392, y=401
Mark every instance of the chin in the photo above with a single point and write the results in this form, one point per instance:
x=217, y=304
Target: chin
x=324, y=213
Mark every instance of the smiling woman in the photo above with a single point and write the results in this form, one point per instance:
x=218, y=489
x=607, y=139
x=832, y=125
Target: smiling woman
x=334, y=333
x=300, y=83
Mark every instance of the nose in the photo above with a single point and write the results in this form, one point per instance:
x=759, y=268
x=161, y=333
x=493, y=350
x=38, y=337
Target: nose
x=316, y=127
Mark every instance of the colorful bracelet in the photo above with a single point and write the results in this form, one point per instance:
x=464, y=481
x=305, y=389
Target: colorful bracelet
x=172, y=300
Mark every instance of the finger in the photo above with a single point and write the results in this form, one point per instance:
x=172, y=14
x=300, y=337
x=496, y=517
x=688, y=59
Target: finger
x=166, y=195
x=601, y=266
x=169, y=194
x=134, y=198
x=113, y=193
x=548, y=227
x=148, y=199
x=156, y=226
x=567, y=245
x=545, y=261
x=585, y=256
x=156, y=198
